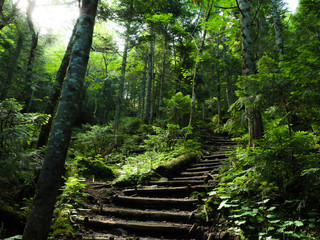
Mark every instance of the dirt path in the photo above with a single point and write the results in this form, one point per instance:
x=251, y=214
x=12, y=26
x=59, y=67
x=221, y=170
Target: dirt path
x=160, y=210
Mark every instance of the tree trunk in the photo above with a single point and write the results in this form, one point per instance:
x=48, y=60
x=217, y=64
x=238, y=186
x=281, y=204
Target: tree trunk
x=162, y=77
x=12, y=66
x=218, y=78
x=255, y=125
x=50, y=179
x=121, y=86
x=143, y=90
x=200, y=50
x=226, y=72
x=27, y=91
x=277, y=28
x=56, y=91
x=147, y=110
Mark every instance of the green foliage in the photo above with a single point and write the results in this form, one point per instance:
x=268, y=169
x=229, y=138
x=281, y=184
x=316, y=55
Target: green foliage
x=17, y=133
x=96, y=140
x=69, y=200
x=177, y=109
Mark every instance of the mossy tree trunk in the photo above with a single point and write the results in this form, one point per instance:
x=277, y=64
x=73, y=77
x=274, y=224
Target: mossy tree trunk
x=50, y=179
x=56, y=91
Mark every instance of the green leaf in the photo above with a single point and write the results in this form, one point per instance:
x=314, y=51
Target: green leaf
x=298, y=223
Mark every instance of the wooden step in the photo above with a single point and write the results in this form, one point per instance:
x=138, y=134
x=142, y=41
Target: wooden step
x=212, y=160
x=211, y=176
x=216, y=156
x=143, y=215
x=181, y=191
x=155, y=203
x=189, y=174
x=199, y=169
x=150, y=228
x=178, y=182
x=206, y=164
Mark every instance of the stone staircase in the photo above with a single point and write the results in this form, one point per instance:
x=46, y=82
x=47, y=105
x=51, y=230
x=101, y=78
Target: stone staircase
x=160, y=210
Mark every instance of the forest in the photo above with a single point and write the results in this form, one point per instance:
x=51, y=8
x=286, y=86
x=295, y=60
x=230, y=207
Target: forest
x=112, y=104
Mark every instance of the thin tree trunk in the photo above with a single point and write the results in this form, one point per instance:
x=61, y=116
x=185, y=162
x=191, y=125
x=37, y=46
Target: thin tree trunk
x=12, y=66
x=104, y=93
x=226, y=72
x=199, y=54
x=147, y=116
x=27, y=91
x=121, y=86
x=143, y=90
x=218, y=78
x=255, y=125
x=162, y=77
x=56, y=91
x=50, y=179
x=277, y=28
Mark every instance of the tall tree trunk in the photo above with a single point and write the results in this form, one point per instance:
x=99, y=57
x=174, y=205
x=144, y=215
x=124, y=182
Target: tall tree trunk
x=199, y=54
x=105, y=93
x=255, y=125
x=226, y=72
x=277, y=28
x=12, y=66
x=147, y=110
x=143, y=90
x=162, y=77
x=56, y=91
x=27, y=91
x=218, y=78
x=121, y=85
x=50, y=179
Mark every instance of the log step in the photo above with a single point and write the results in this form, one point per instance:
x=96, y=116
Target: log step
x=155, y=203
x=199, y=169
x=216, y=156
x=157, y=229
x=212, y=160
x=189, y=174
x=205, y=164
x=144, y=215
x=195, y=177
x=178, y=182
x=182, y=191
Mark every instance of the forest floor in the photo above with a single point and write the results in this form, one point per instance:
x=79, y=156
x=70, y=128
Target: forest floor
x=168, y=208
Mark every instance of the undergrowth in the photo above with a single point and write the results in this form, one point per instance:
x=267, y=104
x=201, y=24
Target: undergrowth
x=270, y=191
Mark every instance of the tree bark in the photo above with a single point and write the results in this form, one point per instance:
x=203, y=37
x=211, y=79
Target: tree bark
x=50, y=179
x=162, y=77
x=27, y=91
x=226, y=72
x=12, y=66
x=200, y=50
x=143, y=90
x=147, y=110
x=218, y=79
x=255, y=125
x=277, y=28
x=121, y=85
x=56, y=91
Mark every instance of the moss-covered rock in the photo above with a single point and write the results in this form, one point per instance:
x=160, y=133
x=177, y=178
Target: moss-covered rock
x=176, y=165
